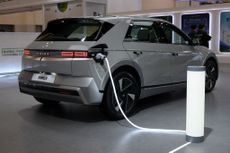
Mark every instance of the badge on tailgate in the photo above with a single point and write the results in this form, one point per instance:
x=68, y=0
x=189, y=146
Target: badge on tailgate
x=42, y=77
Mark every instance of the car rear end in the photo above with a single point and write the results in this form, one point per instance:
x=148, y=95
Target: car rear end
x=58, y=64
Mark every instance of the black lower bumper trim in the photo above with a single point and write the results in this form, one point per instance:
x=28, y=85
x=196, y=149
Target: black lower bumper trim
x=50, y=93
x=50, y=89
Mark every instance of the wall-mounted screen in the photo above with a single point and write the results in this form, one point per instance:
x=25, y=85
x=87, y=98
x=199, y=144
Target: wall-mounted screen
x=190, y=20
x=168, y=18
x=225, y=32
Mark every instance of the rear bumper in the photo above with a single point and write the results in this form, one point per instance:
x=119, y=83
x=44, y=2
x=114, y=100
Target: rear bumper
x=65, y=88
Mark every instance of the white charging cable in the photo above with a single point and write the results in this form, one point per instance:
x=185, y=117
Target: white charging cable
x=168, y=131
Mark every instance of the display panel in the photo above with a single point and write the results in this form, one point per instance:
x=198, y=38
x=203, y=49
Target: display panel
x=225, y=32
x=190, y=20
x=168, y=18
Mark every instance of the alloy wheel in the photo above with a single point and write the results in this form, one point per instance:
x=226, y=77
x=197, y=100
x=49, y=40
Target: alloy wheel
x=211, y=75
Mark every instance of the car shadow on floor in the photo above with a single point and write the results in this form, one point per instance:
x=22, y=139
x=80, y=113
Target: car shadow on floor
x=160, y=99
x=92, y=114
x=74, y=112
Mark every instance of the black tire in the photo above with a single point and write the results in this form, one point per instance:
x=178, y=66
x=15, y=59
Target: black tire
x=46, y=101
x=128, y=91
x=211, y=75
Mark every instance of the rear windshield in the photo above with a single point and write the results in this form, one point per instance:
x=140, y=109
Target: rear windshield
x=74, y=30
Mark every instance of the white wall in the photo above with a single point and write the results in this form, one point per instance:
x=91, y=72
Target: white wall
x=14, y=4
x=157, y=4
x=75, y=9
x=116, y=6
x=95, y=9
x=97, y=1
x=23, y=21
x=12, y=41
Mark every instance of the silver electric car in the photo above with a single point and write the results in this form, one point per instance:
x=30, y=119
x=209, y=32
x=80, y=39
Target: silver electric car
x=147, y=57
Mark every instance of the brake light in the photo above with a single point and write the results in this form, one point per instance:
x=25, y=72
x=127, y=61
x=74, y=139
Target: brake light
x=82, y=54
x=74, y=54
x=66, y=54
x=26, y=52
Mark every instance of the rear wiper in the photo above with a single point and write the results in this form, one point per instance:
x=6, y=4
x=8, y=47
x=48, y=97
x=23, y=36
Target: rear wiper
x=58, y=38
x=45, y=36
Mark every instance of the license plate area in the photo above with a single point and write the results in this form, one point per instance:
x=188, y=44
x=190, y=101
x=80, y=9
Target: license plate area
x=42, y=77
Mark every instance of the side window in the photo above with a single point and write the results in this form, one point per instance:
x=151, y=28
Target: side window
x=141, y=31
x=160, y=33
x=168, y=34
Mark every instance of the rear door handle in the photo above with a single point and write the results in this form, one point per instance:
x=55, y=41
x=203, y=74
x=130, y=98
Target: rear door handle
x=175, y=54
x=137, y=52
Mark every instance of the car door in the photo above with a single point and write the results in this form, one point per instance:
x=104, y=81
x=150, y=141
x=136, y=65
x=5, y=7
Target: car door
x=142, y=45
x=183, y=53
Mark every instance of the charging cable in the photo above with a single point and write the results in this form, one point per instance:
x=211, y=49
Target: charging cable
x=167, y=131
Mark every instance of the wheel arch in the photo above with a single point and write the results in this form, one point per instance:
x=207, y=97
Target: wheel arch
x=129, y=67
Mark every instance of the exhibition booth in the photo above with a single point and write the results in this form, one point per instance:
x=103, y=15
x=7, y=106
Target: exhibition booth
x=131, y=83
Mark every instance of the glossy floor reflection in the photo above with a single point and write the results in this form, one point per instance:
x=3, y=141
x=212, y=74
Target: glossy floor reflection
x=28, y=127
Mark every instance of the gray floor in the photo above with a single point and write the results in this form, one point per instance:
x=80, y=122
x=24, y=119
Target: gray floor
x=28, y=127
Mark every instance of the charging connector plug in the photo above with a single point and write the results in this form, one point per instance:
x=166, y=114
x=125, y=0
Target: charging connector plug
x=98, y=53
x=99, y=58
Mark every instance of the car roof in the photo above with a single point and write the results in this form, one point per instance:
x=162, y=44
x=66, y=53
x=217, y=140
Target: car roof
x=116, y=19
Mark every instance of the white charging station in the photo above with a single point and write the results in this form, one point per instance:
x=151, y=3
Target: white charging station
x=195, y=104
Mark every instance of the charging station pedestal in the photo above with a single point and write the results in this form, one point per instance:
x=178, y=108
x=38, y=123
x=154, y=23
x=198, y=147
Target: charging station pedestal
x=195, y=108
